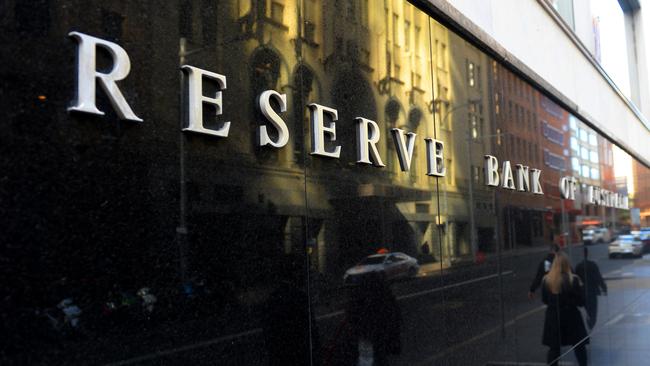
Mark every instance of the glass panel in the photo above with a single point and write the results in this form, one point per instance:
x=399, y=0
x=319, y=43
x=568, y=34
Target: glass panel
x=143, y=243
x=473, y=214
x=372, y=227
x=129, y=242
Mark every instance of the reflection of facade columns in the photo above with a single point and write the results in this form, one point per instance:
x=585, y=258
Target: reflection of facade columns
x=470, y=205
x=288, y=236
x=322, y=248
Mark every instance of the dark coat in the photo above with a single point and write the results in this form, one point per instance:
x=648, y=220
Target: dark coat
x=286, y=327
x=542, y=268
x=373, y=315
x=593, y=281
x=563, y=324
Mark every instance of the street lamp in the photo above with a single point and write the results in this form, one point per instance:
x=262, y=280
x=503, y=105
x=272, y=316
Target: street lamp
x=472, y=223
x=181, y=230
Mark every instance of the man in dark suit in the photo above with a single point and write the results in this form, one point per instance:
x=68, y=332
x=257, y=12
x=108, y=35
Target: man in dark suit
x=543, y=268
x=593, y=285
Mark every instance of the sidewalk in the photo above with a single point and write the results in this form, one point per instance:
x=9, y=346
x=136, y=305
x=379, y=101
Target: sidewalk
x=624, y=338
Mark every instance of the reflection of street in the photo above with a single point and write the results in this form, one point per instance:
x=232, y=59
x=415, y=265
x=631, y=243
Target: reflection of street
x=452, y=315
x=485, y=342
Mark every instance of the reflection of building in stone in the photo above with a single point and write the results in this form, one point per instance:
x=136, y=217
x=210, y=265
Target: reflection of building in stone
x=462, y=109
x=592, y=163
x=363, y=61
x=553, y=126
x=527, y=219
x=641, y=197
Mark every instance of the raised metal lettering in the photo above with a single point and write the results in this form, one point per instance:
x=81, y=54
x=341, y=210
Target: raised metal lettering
x=523, y=179
x=87, y=75
x=197, y=99
x=491, y=171
x=368, y=136
x=508, y=181
x=273, y=117
x=318, y=130
x=403, y=147
x=435, y=157
x=537, y=186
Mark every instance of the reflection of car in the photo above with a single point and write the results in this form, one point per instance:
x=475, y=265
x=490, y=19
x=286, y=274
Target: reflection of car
x=626, y=245
x=594, y=235
x=391, y=265
x=644, y=237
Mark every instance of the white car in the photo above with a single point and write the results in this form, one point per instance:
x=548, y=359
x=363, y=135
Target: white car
x=626, y=245
x=595, y=235
x=391, y=265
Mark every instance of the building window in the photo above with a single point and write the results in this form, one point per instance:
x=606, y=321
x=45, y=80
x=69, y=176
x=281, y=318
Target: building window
x=574, y=144
x=585, y=171
x=440, y=59
x=593, y=156
x=475, y=112
x=573, y=124
x=575, y=164
x=416, y=80
x=584, y=136
x=277, y=12
x=470, y=74
x=476, y=173
x=395, y=33
x=352, y=10
x=407, y=35
x=310, y=31
x=595, y=173
x=364, y=13
x=553, y=134
x=565, y=9
x=584, y=153
x=499, y=136
x=592, y=139
x=416, y=40
x=554, y=161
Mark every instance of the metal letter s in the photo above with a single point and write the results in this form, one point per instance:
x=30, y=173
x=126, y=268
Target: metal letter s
x=273, y=117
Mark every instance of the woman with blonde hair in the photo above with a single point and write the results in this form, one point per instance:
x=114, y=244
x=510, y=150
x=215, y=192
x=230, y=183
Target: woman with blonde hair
x=563, y=324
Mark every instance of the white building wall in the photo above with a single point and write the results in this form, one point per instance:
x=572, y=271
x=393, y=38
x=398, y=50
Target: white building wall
x=641, y=42
x=528, y=31
x=584, y=26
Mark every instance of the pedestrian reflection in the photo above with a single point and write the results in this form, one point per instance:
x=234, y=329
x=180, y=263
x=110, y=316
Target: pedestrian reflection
x=288, y=328
x=594, y=285
x=542, y=269
x=374, y=320
x=563, y=325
